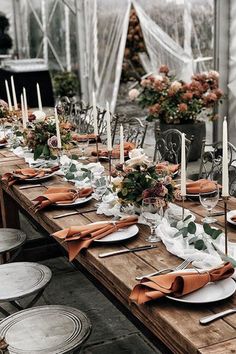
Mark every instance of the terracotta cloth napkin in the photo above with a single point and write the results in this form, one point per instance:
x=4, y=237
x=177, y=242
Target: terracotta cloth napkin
x=62, y=195
x=25, y=173
x=194, y=187
x=81, y=237
x=177, y=284
x=163, y=166
x=80, y=137
x=128, y=146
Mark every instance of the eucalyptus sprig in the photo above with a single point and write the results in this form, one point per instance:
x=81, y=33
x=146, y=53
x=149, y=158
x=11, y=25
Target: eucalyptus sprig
x=188, y=230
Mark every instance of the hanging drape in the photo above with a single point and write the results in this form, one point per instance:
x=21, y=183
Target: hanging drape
x=161, y=47
x=102, y=29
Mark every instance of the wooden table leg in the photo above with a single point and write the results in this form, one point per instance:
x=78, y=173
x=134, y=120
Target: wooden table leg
x=9, y=210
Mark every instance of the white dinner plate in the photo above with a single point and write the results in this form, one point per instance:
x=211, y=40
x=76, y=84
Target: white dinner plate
x=77, y=202
x=229, y=216
x=211, y=292
x=36, y=179
x=120, y=235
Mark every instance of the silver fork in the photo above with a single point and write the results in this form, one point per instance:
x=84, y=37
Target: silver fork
x=181, y=266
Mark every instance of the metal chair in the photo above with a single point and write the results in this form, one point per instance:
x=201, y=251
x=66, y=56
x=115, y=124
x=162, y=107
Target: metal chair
x=134, y=130
x=168, y=145
x=211, y=163
x=46, y=329
x=20, y=280
x=11, y=241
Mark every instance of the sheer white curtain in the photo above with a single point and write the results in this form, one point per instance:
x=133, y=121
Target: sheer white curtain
x=102, y=30
x=161, y=47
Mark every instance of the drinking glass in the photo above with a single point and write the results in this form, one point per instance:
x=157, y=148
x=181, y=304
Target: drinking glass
x=209, y=196
x=83, y=144
x=152, y=213
x=100, y=185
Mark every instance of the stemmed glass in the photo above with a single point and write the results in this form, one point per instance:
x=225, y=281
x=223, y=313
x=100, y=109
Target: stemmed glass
x=83, y=144
x=100, y=185
x=152, y=213
x=209, y=196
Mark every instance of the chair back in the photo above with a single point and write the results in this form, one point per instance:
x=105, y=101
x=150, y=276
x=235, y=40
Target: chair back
x=168, y=145
x=134, y=130
x=211, y=163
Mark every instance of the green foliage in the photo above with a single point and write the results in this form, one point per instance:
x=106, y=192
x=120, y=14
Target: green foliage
x=65, y=84
x=143, y=182
x=189, y=231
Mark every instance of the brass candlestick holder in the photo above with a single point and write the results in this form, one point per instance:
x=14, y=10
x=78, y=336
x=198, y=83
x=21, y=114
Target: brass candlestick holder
x=109, y=164
x=225, y=200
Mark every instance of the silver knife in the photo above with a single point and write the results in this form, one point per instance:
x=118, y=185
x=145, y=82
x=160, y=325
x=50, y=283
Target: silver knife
x=136, y=249
x=31, y=186
x=73, y=213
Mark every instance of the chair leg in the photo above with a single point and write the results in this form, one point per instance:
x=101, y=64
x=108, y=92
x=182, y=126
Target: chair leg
x=16, y=305
x=35, y=299
x=4, y=312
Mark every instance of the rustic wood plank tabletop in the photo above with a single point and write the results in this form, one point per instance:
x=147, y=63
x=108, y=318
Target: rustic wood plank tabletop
x=177, y=325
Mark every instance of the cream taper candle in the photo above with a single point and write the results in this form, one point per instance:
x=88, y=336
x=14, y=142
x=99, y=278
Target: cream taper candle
x=108, y=119
x=225, y=167
x=95, y=119
x=25, y=105
x=8, y=96
x=122, y=153
x=23, y=111
x=14, y=93
x=58, y=130
x=183, y=167
x=39, y=98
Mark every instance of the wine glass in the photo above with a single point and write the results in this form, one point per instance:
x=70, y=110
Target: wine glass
x=100, y=185
x=152, y=213
x=83, y=144
x=209, y=196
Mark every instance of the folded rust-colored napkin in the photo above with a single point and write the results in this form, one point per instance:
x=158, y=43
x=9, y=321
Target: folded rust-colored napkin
x=80, y=237
x=62, y=195
x=25, y=173
x=194, y=187
x=166, y=167
x=128, y=146
x=81, y=137
x=177, y=284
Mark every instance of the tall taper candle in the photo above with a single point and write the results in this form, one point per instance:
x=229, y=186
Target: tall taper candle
x=95, y=119
x=183, y=167
x=25, y=105
x=8, y=96
x=225, y=167
x=14, y=93
x=57, y=130
x=108, y=119
x=23, y=111
x=39, y=98
x=122, y=157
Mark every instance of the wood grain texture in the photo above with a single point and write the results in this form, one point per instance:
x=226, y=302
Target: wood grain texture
x=177, y=325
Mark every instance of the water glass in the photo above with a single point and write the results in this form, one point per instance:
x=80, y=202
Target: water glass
x=83, y=144
x=152, y=213
x=209, y=196
x=100, y=185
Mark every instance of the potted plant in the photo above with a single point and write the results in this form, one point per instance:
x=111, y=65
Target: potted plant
x=5, y=39
x=177, y=104
x=65, y=84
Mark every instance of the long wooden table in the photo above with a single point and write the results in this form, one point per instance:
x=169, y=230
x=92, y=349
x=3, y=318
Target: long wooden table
x=175, y=324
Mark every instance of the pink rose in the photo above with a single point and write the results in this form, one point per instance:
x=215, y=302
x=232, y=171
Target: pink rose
x=133, y=94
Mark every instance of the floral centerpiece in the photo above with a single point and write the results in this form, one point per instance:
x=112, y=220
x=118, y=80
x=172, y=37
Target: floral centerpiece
x=41, y=138
x=4, y=111
x=175, y=101
x=139, y=179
